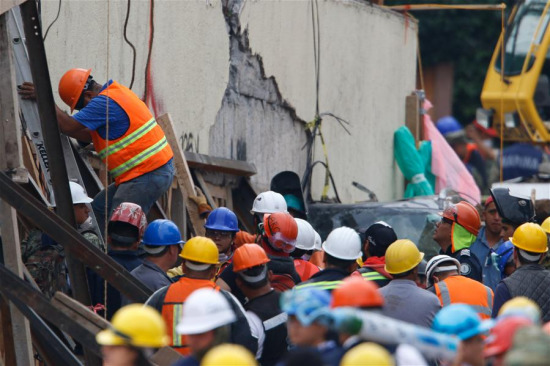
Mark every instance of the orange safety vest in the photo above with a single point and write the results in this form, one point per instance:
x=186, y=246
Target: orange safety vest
x=172, y=309
x=143, y=147
x=460, y=289
x=305, y=269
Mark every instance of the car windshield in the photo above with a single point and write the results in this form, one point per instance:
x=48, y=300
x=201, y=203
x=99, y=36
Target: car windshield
x=414, y=220
x=523, y=32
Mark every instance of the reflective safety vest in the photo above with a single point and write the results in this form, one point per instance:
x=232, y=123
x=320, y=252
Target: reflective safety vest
x=460, y=289
x=143, y=147
x=172, y=309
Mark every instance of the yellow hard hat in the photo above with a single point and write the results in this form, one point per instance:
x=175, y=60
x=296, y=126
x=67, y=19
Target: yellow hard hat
x=530, y=237
x=402, y=256
x=521, y=306
x=546, y=225
x=135, y=325
x=367, y=354
x=200, y=249
x=228, y=355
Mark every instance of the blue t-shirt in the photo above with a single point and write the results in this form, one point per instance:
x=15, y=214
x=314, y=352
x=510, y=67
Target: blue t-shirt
x=94, y=116
x=521, y=160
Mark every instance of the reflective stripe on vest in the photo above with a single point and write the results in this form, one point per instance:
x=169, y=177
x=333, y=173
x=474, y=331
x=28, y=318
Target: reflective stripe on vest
x=138, y=159
x=373, y=276
x=323, y=285
x=482, y=310
x=275, y=321
x=172, y=309
x=143, y=147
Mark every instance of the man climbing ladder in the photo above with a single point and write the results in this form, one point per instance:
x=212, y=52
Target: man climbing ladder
x=125, y=135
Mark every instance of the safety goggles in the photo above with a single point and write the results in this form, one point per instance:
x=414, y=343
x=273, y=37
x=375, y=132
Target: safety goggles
x=218, y=234
x=278, y=241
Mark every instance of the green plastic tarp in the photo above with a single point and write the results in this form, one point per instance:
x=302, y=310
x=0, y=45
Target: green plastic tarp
x=411, y=163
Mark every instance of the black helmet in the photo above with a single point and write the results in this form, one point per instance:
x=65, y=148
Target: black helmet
x=513, y=210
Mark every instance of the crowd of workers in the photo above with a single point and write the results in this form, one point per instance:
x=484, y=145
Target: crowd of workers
x=478, y=148
x=281, y=295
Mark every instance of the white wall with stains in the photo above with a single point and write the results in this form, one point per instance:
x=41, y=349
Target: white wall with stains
x=238, y=77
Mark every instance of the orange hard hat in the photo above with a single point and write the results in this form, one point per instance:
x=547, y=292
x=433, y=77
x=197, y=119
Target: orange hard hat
x=502, y=335
x=72, y=84
x=281, y=230
x=465, y=215
x=247, y=256
x=357, y=292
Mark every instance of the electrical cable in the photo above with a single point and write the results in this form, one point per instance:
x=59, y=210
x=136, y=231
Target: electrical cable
x=130, y=44
x=53, y=21
x=151, y=35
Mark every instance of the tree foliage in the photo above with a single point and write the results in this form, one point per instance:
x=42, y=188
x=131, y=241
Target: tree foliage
x=467, y=38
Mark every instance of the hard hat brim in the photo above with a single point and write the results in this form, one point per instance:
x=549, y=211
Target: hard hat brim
x=108, y=338
x=482, y=328
x=198, y=325
x=525, y=248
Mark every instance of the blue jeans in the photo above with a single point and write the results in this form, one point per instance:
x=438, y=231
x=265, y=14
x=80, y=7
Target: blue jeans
x=143, y=190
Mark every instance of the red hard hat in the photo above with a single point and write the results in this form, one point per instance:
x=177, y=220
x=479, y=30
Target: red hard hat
x=281, y=231
x=465, y=215
x=72, y=84
x=247, y=256
x=357, y=292
x=502, y=334
x=132, y=214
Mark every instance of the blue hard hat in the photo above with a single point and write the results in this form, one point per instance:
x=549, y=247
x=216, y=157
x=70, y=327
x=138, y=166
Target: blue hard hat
x=222, y=219
x=162, y=232
x=505, y=251
x=460, y=320
x=447, y=125
x=308, y=305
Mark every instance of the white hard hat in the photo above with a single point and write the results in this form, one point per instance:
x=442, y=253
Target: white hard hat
x=205, y=309
x=78, y=194
x=269, y=202
x=318, y=241
x=343, y=243
x=306, y=235
x=433, y=266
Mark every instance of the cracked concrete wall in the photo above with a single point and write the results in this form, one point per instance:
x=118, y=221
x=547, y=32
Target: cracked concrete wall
x=238, y=77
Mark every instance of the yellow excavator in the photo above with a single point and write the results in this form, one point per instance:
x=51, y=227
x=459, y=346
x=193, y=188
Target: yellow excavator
x=516, y=92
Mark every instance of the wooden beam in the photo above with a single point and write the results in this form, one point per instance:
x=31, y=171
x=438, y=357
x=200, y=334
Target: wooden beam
x=14, y=287
x=79, y=313
x=63, y=233
x=183, y=175
x=11, y=158
x=204, y=188
x=220, y=165
x=412, y=116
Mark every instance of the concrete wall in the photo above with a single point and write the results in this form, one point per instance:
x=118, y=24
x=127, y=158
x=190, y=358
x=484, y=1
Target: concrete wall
x=238, y=77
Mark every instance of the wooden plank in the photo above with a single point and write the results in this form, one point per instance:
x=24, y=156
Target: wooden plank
x=79, y=312
x=14, y=287
x=11, y=158
x=204, y=188
x=243, y=198
x=6, y=5
x=221, y=165
x=412, y=116
x=183, y=175
x=60, y=231
x=166, y=356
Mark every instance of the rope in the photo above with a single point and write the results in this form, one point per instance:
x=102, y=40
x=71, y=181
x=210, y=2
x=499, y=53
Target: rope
x=446, y=7
x=107, y=211
x=501, y=174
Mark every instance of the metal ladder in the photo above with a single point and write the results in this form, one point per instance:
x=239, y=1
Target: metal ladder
x=30, y=121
